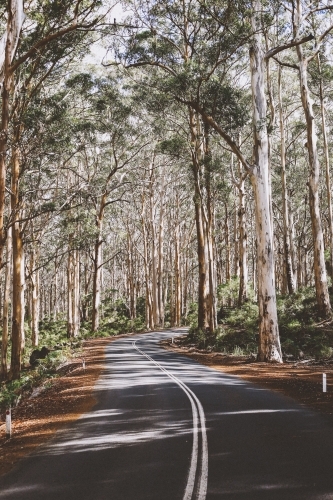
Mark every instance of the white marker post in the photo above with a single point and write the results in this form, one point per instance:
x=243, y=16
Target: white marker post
x=84, y=365
x=8, y=423
x=172, y=340
x=324, y=383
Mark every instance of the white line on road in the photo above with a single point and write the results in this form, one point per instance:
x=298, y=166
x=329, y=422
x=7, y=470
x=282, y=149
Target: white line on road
x=196, y=406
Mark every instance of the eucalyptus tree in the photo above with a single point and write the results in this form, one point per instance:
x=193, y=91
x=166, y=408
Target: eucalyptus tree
x=120, y=136
x=303, y=20
x=322, y=71
x=172, y=38
x=50, y=31
x=175, y=41
x=31, y=37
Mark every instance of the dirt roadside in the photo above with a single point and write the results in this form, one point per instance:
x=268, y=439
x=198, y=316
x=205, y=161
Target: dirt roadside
x=60, y=402
x=300, y=381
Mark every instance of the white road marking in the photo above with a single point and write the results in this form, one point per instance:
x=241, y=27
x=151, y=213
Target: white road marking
x=196, y=406
x=247, y=412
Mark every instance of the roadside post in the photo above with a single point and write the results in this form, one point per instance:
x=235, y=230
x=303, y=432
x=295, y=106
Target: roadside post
x=8, y=423
x=324, y=383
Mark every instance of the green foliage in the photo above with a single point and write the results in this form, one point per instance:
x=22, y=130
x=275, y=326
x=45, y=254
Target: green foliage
x=301, y=331
x=11, y=392
x=228, y=291
x=196, y=337
x=117, y=319
x=174, y=146
x=228, y=105
x=239, y=329
x=192, y=316
x=51, y=334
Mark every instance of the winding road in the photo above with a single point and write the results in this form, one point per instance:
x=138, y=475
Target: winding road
x=167, y=428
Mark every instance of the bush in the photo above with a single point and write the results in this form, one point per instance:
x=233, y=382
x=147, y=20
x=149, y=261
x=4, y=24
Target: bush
x=302, y=332
x=192, y=316
x=196, y=337
x=227, y=293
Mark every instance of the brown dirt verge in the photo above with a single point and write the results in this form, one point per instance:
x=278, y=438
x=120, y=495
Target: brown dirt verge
x=300, y=381
x=63, y=400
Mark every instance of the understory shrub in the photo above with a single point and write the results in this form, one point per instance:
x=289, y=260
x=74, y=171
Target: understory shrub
x=302, y=332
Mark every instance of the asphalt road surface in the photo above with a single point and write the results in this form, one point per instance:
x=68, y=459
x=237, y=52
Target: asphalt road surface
x=167, y=428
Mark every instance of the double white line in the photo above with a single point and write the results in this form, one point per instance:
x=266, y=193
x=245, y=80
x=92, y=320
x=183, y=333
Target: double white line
x=199, y=424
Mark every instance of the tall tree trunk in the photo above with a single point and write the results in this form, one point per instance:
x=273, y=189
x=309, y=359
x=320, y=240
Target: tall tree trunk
x=15, y=17
x=292, y=241
x=243, y=270
x=96, y=296
x=323, y=299
x=6, y=80
x=131, y=276
x=70, y=286
x=154, y=252
x=55, y=298
x=97, y=268
x=6, y=299
x=149, y=311
x=18, y=272
x=236, y=242
x=285, y=208
x=161, y=256
x=34, y=301
x=269, y=341
x=34, y=290
x=204, y=297
x=17, y=304
x=327, y=168
x=227, y=245
x=76, y=293
x=209, y=223
x=177, y=294
x=202, y=288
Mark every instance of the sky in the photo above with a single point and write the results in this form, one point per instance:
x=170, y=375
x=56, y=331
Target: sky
x=98, y=52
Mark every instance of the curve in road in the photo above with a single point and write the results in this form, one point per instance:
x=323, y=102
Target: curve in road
x=148, y=437
x=196, y=409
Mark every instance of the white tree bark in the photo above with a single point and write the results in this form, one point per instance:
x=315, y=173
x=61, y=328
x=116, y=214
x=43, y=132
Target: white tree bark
x=285, y=204
x=269, y=341
x=327, y=167
x=6, y=299
x=12, y=33
x=322, y=295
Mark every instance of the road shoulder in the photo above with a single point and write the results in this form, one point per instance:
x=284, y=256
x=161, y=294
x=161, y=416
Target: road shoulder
x=60, y=402
x=300, y=381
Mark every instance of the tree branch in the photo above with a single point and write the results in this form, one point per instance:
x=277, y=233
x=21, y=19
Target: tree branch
x=294, y=43
x=49, y=38
x=319, y=9
x=319, y=41
x=293, y=66
x=212, y=123
x=148, y=63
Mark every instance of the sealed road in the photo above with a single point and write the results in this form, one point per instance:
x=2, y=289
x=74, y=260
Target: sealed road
x=167, y=428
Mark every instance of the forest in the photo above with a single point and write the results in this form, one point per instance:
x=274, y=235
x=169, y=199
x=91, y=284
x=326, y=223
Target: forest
x=168, y=168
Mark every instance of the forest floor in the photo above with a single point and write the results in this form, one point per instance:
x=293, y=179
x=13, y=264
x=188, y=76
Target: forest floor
x=300, y=380
x=57, y=403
